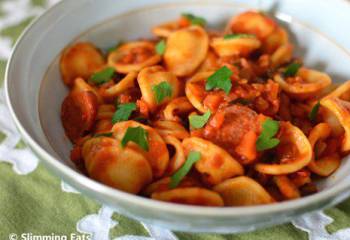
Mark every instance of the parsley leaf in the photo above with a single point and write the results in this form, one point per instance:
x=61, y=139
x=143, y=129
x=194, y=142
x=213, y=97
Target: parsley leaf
x=137, y=135
x=195, y=20
x=266, y=139
x=160, y=47
x=103, y=76
x=314, y=111
x=162, y=90
x=105, y=134
x=220, y=79
x=192, y=158
x=238, y=35
x=198, y=121
x=292, y=69
x=123, y=112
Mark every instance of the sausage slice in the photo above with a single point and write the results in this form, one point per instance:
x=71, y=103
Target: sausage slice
x=78, y=113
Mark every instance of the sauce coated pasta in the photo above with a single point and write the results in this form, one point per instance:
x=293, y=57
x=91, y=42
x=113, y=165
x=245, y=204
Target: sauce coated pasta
x=203, y=117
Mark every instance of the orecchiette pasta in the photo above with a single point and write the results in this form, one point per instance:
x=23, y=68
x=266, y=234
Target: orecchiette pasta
x=165, y=29
x=80, y=85
x=324, y=165
x=163, y=185
x=190, y=195
x=122, y=168
x=340, y=109
x=186, y=50
x=157, y=154
x=252, y=23
x=205, y=117
x=193, y=90
x=178, y=159
x=242, y=191
x=286, y=187
x=295, y=152
x=149, y=77
x=235, y=47
x=282, y=55
x=210, y=63
x=215, y=164
x=305, y=84
x=171, y=128
x=105, y=111
x=80, y=60
x=133, y=56
x=176, y=107
x=123, y=85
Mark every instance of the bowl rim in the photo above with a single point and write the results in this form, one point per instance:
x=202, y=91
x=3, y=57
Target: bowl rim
x=171, y=208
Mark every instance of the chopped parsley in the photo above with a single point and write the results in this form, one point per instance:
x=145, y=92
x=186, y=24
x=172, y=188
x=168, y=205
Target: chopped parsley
x=195, y=20
x=137, y=135
x=198, y=121
x=314, y=111
x=192, y=158
x=160, y=47
x=103, y=76
x=161, y=91
x=220, y=79
x=266, y=139
x=123, y=112
x=238, y=35
x=292, y=69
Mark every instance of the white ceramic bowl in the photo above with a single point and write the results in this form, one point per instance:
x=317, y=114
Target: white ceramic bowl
x=34, y=93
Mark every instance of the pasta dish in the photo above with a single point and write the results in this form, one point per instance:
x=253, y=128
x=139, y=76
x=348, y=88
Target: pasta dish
x=204, y=117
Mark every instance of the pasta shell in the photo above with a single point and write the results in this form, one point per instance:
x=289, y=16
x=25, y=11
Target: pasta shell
x=186, y=49
x=80, y=60
x=133, y=56
x=251, y=22
x=342, y=92
x=103, y=126
x=294, y=149
x=166, y=29
x=242, y=191
x=286, y=187
x=80, y=85
x=157, y=186
x=312, y=82
x=163, y=185
x=126, y=83
x=210, y=63
x=179, y=158
x=275, y=40
x=326, y=165
x=121, y=168
x=190, y=195
x=215, y=164
x=177, y=106
x=157, y=155
x=282, y=55
x=171, y=128
x=195, y=90
x=152, y=76
x=235, y=47
x=340, y=109
x=105, y=111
